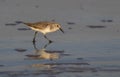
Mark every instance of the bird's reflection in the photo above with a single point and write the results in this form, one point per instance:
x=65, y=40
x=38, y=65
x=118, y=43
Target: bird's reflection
x=45, y=54
x=44, y=65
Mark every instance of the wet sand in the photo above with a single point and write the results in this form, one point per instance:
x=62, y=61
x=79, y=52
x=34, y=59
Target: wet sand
x=89, y=48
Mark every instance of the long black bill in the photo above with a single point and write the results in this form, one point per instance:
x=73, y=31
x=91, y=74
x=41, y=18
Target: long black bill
x=61, y=30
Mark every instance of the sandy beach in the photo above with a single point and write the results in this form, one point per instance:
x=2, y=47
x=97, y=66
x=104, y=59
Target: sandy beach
x=89, y=47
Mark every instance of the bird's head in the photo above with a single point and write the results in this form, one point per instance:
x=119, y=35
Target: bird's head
x=59, y=27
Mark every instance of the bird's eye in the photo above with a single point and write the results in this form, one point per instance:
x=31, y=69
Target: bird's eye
x=57, y=25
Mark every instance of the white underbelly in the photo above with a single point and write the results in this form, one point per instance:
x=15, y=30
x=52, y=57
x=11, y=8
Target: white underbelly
x=44, y=31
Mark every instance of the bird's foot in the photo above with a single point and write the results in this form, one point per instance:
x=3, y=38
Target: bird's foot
x=50, y=41
x=33, y=41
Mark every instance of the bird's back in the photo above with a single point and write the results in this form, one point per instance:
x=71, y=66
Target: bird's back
x=40, y=25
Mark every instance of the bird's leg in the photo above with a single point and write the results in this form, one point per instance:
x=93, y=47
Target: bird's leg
x=34, y=44
x=47, y=44
x=48, y=39
x=34, y=37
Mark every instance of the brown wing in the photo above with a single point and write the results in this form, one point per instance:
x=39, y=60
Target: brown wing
x=42, y=25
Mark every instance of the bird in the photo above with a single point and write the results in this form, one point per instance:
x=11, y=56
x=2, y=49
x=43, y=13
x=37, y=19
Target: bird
x=44, y=27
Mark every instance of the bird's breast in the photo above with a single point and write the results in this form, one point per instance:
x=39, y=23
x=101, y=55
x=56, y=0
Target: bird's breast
x=44, y=30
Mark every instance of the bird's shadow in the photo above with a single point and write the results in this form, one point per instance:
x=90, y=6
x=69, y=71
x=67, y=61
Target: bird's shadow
x=45, y=54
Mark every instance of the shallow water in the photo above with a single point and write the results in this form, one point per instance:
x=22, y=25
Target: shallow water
x=81, y=52
x=74, y=57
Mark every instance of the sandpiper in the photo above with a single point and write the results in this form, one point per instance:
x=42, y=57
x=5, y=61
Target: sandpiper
x=44, y=27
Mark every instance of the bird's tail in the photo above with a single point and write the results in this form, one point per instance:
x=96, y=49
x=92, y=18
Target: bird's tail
x=21, y=22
